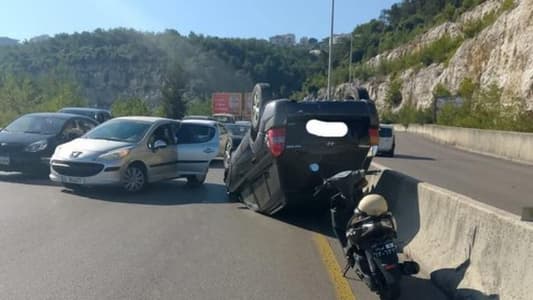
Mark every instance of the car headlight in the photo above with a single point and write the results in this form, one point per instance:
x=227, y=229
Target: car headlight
x=114, y=155
x=37, y=146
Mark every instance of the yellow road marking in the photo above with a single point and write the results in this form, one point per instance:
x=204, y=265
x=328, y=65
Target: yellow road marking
x=341, y=285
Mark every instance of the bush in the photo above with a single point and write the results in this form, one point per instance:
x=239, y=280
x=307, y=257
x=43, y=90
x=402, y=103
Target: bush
x=394, y=93
x=130, y=107
x=472, y=28
x=441, y=91
x=486, y=110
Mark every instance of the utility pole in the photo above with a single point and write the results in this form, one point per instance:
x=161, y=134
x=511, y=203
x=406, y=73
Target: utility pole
x=331, y=47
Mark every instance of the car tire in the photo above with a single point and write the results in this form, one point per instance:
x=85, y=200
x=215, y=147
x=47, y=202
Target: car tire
x=134, y=178
x=261, y=95
x=196, y=180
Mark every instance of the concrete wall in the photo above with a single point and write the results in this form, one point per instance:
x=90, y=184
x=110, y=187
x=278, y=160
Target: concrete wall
x=471, y=250
x=510, y=145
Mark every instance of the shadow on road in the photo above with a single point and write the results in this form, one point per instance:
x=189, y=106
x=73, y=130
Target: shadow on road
x=412, y=157
x=27, y=179
x=164, y=193
x=448, y=281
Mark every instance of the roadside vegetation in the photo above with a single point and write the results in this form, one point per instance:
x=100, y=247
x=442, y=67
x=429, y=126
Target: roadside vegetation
x=482, y=108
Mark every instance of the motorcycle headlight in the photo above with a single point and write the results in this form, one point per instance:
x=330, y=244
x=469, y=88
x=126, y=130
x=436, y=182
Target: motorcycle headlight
x=37, y=146
x=114, y=155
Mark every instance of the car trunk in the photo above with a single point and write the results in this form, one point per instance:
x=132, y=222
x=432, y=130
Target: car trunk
x=286, y=179
x=334, y=154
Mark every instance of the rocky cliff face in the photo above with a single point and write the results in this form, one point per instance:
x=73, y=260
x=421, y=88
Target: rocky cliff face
x=502, y=53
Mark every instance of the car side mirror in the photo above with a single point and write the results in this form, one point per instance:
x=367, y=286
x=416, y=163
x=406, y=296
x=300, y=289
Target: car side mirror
x=159, y=144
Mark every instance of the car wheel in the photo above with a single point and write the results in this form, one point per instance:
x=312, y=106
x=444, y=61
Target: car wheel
x=134, y=178
x=196, y=180
x=261, y=95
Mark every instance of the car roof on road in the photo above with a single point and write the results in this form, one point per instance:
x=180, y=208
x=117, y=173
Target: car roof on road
x=145, y=119
x=386, y=125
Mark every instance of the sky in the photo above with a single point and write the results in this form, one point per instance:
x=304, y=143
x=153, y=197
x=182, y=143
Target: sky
x=23, y=19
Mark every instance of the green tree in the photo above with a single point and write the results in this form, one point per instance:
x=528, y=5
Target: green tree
x=172, y=89
x=130, y=107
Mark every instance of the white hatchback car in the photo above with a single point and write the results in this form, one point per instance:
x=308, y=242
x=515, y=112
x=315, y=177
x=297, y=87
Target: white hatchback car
x=135, y=151
x=387, y=140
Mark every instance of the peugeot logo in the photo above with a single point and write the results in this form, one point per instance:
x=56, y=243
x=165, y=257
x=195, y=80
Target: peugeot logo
x=75, y=154
x=330, y=144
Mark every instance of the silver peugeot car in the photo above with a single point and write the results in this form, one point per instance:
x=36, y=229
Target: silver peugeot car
x=135, y=151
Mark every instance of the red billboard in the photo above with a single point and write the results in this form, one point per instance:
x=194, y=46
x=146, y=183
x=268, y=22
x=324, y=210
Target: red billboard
x=227, y=103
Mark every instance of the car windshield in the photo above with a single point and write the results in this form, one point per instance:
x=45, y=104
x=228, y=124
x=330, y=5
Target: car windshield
x=385, y=132
x=120, y=130
x=237, y=130
x=36, y=124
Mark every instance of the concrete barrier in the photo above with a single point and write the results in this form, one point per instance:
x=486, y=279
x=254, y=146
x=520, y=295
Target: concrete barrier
x=515, y=146
x=470, y=250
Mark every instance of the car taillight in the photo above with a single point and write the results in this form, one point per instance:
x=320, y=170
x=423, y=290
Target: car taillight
x=374, y=136
x=276, y=141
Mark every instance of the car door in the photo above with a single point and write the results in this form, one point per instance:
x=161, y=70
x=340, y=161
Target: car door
x=162, y=161
x=197, y=146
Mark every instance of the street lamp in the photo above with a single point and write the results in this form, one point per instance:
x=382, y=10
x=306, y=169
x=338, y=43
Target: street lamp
x=330, y=48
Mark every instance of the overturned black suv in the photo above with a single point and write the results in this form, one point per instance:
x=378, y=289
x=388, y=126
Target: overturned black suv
x=269, y=169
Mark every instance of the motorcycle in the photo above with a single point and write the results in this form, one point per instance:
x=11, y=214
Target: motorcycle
x=370, y=234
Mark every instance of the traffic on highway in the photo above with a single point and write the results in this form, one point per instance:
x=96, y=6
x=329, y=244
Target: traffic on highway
x=258, y=150
x=287, y=157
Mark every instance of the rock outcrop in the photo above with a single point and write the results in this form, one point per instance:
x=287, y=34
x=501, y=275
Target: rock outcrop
x=501, y=53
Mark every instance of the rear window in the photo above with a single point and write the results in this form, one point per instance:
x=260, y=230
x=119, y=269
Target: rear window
x=195, y=134
x=385, y=132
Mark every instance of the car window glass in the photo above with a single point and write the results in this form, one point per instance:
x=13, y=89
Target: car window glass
x=71, y=129
x=385, y=132
x=195, y=133
x=164, y=133
x=85, y=125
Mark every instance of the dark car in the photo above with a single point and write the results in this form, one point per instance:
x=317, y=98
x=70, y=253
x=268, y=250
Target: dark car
x=269, y=170
x=237, y=131
x=27, y=144
x=98, y=114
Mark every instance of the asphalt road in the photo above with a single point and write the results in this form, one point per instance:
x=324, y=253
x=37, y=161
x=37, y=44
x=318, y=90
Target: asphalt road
x=497, y=182
x=171, y=242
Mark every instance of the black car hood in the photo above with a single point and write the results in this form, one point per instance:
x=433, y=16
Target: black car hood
x=22, y=138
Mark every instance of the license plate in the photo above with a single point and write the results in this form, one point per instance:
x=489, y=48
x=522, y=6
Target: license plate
x=74, y=180
x=4, y=160
x=385, y=249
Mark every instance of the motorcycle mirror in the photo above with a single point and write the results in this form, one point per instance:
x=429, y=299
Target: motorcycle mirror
x=314, y=167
